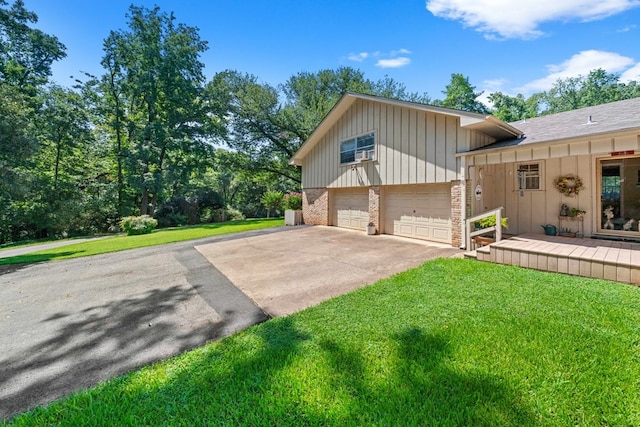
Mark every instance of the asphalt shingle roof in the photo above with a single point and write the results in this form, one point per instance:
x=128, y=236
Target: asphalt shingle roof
x=613, y=117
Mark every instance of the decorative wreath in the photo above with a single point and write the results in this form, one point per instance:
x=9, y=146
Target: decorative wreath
x=569, y=185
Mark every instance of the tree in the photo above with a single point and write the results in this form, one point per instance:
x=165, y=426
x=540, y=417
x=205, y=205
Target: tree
x=153, y=91
x=272, y=201
x=510, y=108
x=26, y=54
x=600, y=87
x=256, y=124
x=597, y=87
x=563, y=96
x=64, y=127
x=460, y=95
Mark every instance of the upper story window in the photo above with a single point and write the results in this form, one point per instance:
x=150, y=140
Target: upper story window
x=529, y=176
x=360, y=148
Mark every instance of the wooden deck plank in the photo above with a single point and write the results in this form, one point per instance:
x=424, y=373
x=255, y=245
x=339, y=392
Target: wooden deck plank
x=603, y=259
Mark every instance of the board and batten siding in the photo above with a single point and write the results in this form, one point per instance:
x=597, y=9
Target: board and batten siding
x=412, y=147
x=530, y=209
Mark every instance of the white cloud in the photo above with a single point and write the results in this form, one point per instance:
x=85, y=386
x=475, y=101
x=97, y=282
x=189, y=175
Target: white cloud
x=521, y=19
x=358, y=57
x=393, y=62
x=580, y=64
x=489, y=87
x=632, y=73
x=402, y=51
x=384, y=60
x=627, y=29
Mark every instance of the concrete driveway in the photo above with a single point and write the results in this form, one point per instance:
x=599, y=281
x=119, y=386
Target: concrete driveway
x=68, y=325
x=303, y=266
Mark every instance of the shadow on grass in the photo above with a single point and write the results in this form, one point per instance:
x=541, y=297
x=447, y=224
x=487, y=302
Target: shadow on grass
x=240, y=382
x=422, y=388
x=33, y=258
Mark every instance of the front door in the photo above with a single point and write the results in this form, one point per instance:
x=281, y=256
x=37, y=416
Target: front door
x=619, y=201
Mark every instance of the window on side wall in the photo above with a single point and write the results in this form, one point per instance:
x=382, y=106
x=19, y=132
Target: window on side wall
x=529, y=176
x=360, y=148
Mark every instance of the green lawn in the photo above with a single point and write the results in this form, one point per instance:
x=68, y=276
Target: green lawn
x=158, y=237
x=453, y=342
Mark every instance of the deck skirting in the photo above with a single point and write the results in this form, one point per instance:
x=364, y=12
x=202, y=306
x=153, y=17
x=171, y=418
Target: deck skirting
x=600, y=259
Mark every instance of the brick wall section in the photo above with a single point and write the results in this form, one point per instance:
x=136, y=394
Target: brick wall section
x=456, y=214
x=315, y=206
x=374, y=207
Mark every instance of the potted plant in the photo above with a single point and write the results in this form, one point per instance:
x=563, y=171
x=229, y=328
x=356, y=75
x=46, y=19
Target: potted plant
x=490, y=221
x=576, y=213
x=292, y=208
x=371, y=229
x=566, y=232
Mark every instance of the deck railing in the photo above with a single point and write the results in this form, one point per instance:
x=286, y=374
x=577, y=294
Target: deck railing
x=496, y=228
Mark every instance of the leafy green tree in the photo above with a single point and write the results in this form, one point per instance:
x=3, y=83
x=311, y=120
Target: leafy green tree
x=62, y=164
x=461, y=95
x=157, y=110
x=256, y=124
x=26, y=53
x=563, y=96
x=597, y=87
x=273, y=201
x=510, y=108
x=600, y=87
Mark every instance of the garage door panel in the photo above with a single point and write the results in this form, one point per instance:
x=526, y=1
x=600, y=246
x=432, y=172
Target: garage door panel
x=350, y=208
x=424, y=233
x=420, y=212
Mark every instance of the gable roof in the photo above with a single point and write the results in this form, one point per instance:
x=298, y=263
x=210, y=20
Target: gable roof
x=616, y=116
x=488, y=125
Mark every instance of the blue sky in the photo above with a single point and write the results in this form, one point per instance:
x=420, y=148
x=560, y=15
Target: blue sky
x=512, y=46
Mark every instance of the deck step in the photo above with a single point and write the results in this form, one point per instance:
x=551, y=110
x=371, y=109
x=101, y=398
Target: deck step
x=617, y=261
x=471, y=254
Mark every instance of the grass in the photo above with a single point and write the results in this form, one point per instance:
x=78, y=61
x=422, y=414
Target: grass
x=453, y=342
x=158, y=237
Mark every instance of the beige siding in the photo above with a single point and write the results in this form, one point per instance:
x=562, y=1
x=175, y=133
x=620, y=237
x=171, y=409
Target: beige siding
x=479, y=140
x=601, y=145
x=528, y=210
x=412, y=147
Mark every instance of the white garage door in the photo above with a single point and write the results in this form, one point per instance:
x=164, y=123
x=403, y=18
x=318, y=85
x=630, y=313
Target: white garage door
x=418, y=211
x=351, y=208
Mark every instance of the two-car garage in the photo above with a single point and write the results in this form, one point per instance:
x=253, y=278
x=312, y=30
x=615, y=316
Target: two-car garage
x=416, y=211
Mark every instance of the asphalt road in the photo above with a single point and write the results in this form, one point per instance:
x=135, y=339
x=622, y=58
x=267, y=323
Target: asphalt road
x=68, y=325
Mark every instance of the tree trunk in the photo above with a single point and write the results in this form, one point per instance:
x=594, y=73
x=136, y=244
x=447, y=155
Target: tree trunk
x=144, y=205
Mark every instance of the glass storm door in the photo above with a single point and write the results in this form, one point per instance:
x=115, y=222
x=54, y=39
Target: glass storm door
x=619, y=196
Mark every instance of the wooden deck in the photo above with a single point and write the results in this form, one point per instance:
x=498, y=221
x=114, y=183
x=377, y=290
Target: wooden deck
x=601, y=259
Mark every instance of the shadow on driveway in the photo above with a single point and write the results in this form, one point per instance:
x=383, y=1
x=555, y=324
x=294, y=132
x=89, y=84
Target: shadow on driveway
x=69, y=325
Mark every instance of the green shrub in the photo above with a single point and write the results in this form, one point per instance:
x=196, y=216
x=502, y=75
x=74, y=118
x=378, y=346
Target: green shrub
x=272, y=201
x=490, y=221
x=234, y=214
x=138, y=224
x=293, y=201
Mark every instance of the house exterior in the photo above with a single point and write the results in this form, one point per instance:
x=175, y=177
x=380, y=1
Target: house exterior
x=419, y=171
